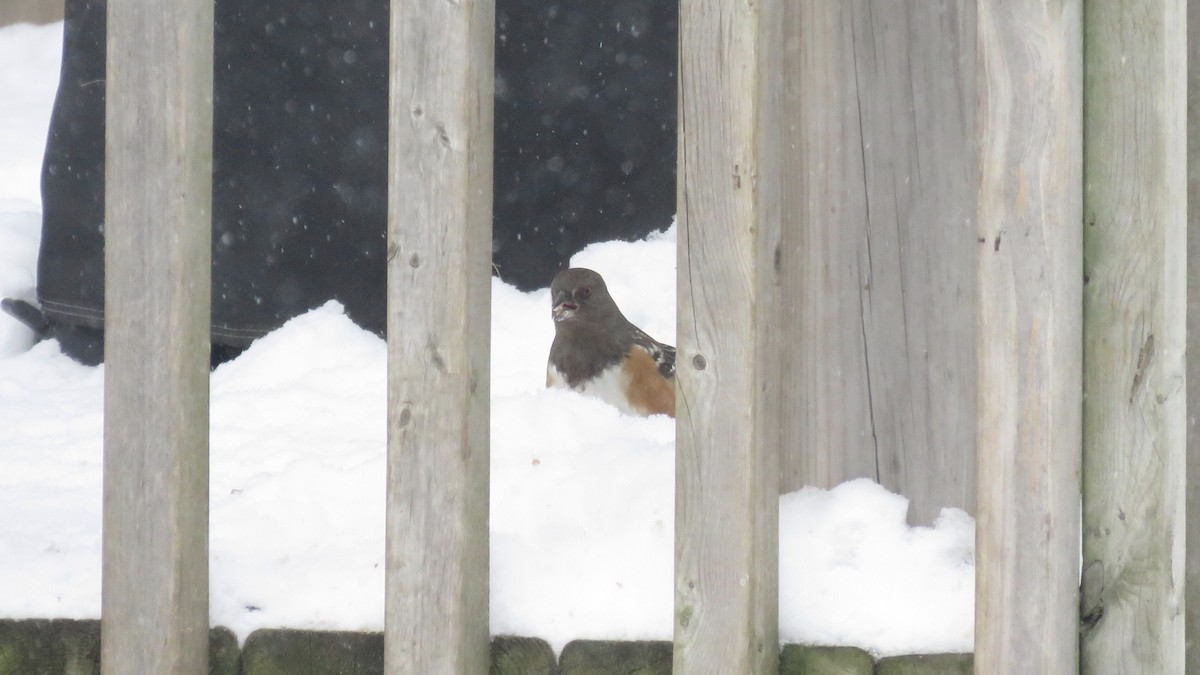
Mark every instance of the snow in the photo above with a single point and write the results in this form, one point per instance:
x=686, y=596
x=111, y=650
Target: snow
x=29, y=62
x=581, y=498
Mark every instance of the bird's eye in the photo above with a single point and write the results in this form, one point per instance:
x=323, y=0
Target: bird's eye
x=586, y=291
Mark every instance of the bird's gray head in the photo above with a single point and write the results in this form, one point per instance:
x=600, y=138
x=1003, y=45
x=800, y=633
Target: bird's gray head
x=579, y=296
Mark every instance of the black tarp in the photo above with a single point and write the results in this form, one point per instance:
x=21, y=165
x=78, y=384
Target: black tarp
x=584, y=151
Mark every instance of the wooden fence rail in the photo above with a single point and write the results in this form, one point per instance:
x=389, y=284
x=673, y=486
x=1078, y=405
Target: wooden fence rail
x=774, y=157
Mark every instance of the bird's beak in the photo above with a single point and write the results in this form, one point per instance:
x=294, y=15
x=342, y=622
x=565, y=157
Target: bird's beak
x=563, y=307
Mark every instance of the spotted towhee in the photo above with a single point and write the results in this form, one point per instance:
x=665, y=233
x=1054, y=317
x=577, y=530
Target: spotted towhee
x=596, y=350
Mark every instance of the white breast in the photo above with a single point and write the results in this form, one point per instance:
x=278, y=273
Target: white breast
x=609, y=386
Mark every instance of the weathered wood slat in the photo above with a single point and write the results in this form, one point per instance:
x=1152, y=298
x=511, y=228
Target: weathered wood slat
x=157, y=282
x=830, y=436
x=1192, y=567
x=1134, y=413
x=439, y=322
x=881, y=165
x=1029, y=336
x=726, y=519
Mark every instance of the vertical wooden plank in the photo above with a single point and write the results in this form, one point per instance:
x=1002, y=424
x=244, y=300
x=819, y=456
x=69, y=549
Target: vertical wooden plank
x=158, y=224
x=916, y=87
x=883, y=163
x=831, y=438
x=728, y=417
x=1029, y=336
x=439, y=319
x=1135, y=312
x=1192, y=571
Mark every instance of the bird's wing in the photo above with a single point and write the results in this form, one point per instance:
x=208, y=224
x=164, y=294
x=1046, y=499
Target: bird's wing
x=663, y=355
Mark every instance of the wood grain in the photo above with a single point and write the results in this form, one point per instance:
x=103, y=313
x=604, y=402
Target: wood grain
x=439, y=323
x=1135, y=314
x=1029, y=336
x=878, y=253
x=1192, y=352
x=727, y=412
x=157, y=285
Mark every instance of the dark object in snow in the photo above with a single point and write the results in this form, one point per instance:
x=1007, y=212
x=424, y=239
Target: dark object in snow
x=82, y=343
x=597, y=351
x=585, y=129
x=585, y=110
x=27, y=314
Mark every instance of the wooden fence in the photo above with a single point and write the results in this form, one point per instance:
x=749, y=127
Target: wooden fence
x=878, y=248
x=1134, y=329
x=158, y=195
x=837, y=161
x=1030, y=337
x=1192, y=535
